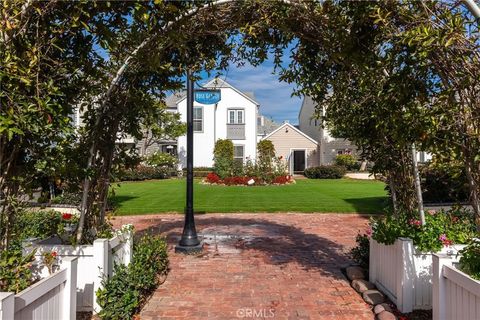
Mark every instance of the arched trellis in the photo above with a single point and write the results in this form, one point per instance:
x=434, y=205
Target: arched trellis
x=105, y=100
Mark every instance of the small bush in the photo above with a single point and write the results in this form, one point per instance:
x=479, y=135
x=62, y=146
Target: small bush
x=73, y=198
x=361, y=253
x=15, y=271
x=212, y=178
x=161, y=159
x=141, y=172
x=348, y=161
x=198, y=172
x=444, y=183
x=223, y=158
x=325, y=172
x=37, y=224
x=442, y=228
x=470, y=259
x=126, y=291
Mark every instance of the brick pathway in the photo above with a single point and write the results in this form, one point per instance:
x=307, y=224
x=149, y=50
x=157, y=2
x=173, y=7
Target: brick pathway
x=258, y=266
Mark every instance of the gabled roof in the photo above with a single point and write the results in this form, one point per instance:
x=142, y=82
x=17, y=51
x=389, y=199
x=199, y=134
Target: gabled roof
x=218, y=83
x=172, y=100
x=268, y=126
x=293, y=128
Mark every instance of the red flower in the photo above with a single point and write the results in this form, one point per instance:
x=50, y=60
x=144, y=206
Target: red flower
x=212, y=178
x=414, y=222
x=67, y=216
x=54, y=254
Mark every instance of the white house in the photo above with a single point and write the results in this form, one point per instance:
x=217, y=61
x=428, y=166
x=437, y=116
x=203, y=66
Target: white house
x=235, y=117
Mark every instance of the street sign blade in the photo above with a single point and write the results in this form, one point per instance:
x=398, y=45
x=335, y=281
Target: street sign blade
x=207, y=96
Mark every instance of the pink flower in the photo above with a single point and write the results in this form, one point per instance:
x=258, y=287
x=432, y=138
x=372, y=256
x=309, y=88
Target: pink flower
x=431, y=212
x=414, y=222
x=445, y=241
x=369, y=232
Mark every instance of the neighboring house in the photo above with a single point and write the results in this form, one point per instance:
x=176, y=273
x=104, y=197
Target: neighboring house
x=234, y=117
x=329, y=147
x=298, y=149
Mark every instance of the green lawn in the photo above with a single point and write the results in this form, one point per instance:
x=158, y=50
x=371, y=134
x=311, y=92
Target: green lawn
x=343, y=195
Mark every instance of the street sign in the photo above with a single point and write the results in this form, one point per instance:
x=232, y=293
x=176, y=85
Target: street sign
x=205, y=96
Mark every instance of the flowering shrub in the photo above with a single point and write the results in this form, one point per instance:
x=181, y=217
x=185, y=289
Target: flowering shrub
x=49, y=259
x=282, y=180
x=212, y=178
x=442, y=228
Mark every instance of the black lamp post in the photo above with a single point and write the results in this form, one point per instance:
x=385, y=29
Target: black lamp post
x=189, y=242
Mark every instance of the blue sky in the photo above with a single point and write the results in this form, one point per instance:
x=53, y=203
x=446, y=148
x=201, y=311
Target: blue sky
x=274, y=96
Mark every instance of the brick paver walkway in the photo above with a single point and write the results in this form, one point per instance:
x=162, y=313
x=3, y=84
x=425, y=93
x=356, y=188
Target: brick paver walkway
x=258, y=266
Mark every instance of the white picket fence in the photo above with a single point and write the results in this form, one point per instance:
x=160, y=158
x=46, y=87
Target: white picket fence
x=403, y=273
x=94, y=263
x=52, y=298
x=455, y=294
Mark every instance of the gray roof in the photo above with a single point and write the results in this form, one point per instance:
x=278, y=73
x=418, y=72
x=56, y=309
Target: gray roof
x=268, y=126
x=171, y=100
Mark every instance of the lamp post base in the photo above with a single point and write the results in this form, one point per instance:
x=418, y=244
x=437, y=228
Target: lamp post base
x=189, y=249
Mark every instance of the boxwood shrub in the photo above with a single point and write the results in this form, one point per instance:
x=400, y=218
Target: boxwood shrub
x=144, y=173
x=127, y=290
x=325, y=172
x=199, y=172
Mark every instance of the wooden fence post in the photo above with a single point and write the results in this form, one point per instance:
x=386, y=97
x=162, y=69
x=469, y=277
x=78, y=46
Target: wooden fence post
x=69, y=305
x=128, y=246
x=7, y=305
x=100, y=257
x=439, y=285
x=405, y=288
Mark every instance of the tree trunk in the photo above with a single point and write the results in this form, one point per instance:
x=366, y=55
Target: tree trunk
x=418, y=186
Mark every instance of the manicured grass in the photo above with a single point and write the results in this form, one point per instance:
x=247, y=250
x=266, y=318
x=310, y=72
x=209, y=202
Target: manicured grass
x=343, y=195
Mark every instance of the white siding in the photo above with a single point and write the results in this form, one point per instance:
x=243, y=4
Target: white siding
x=215, y=127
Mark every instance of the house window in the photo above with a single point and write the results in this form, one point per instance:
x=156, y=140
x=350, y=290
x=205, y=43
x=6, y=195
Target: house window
x=238, y=153
x=198, y=119
x=236, y=116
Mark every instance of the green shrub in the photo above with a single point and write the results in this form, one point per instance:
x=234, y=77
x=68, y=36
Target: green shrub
x=161, y=159
x=361, y=253
x=15, y=271
x=442, y=228
x=37, y=224
x=470, y=259
x=140, y=173
x=199, y=172
x=325, y=172
x=126, y=291
x=223, y=158
x=444, y=183
x=348, y=161
x=73, y=198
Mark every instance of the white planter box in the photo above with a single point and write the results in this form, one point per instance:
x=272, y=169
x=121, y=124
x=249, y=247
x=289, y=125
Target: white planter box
x=455, y=294
x=403, y=273
x=94, y=262
x=53, y=297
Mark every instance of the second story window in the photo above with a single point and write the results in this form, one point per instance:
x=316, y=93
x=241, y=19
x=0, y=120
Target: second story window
x=197, y=119
x=236, y=116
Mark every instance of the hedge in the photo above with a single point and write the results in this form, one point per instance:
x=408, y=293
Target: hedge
x=325, y=172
